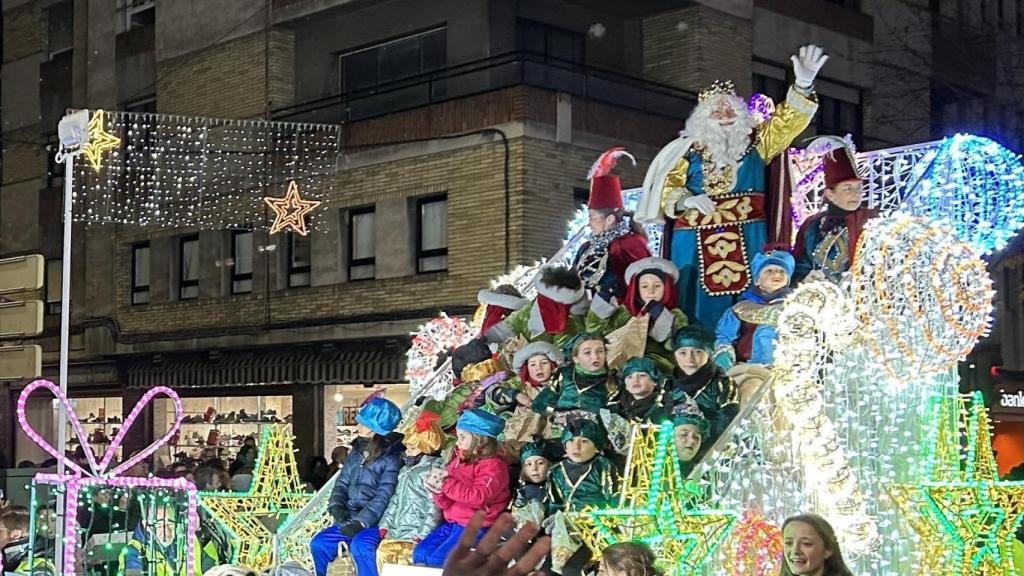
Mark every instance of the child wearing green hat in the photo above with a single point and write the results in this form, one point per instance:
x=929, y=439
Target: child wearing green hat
x=477, y=480
x=640, y=400
x=530, y=502
x=689, y=429
x=697, y=377
x=584, y=478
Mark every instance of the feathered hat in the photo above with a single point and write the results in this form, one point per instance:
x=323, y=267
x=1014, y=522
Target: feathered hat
x=838, y=158
x=605, y=188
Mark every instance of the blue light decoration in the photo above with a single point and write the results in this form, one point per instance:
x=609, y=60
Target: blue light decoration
x=975, y=185
x=578, y=231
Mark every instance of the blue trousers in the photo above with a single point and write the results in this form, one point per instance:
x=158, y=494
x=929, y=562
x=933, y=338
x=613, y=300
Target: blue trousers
x=363, y=546
x=434, y=549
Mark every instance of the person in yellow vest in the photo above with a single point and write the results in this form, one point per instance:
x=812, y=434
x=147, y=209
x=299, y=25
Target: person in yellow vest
x=156, y=548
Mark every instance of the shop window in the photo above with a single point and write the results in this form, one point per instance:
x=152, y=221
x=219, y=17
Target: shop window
x=52, y=280
x=140, y=273
x=361, y=247
x=188, y=267
x=299, y=260
x=241, y=258
x=552, y=43
x=370, y=68
x=432, y=234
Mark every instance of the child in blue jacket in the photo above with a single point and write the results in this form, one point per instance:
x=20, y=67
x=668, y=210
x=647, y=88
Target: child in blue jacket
x=363, y=489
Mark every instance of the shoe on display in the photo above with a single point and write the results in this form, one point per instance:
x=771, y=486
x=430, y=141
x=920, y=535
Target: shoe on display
x=114, y=420
x=213, y=438
x=91, y=419
x=210, y=414
x=288, y=419
x=248, y=418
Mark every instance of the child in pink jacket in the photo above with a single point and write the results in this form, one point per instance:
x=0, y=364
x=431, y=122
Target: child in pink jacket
x=477, y=480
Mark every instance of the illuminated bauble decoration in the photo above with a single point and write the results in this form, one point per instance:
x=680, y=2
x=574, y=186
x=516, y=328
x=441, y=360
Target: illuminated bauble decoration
x=923, y=298
x=434, y=339
x=972, y=184
x=756, y=546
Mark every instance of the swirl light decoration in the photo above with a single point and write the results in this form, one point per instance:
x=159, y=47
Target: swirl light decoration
x=923, y=298
x=815, y=318
x=756, y=546
x=973, y=184
x=439, y=336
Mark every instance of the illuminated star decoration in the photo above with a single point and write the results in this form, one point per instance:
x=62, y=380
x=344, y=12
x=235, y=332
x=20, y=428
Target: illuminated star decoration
x=275, y=494
x=967, y=518
x=652, y=510
x=99, y=140
x=290, y=211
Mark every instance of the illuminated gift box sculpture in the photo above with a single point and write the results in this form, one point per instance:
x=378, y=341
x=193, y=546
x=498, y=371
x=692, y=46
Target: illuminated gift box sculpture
x=79, y=483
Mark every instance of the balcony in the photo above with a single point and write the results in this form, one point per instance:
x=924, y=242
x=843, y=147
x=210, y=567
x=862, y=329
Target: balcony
x=497, y=85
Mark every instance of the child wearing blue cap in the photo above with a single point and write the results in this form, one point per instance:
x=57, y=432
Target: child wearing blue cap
x=746, y=332
x=477, y=479
x=363, y=489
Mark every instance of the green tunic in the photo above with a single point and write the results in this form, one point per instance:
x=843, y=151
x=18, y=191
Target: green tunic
x=573, y=390
x=714, y=392
x=596, y=485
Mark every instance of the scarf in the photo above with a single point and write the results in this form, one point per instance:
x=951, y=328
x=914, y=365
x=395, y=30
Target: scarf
x=411, y=460
x=694, y=382
x=834, y=217
x=592, y=262
x=636, y=409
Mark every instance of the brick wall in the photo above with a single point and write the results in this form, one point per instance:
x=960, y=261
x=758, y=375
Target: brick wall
x=229, y=79
x=692, y=47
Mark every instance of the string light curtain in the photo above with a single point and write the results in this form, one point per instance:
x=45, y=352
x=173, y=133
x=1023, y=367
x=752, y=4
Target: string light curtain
x=187, y=171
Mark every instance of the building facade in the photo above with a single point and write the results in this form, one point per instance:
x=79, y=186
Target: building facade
x=467, y=130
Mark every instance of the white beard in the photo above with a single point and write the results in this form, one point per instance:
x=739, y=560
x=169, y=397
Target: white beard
x=725, y=145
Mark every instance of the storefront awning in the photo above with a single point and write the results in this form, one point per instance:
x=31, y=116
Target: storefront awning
x=264, y=369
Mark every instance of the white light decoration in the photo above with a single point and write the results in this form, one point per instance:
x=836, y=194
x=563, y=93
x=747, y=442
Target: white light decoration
x=184, y=171
x=434, y=339
x=923, y=298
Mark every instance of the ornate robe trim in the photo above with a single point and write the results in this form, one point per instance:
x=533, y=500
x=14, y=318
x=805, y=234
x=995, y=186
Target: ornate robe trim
x=832, y=254
x=724, y=266
x=755, y=313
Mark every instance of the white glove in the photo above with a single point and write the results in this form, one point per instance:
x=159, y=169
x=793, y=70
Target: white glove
x=702, y=203
x=806, y=65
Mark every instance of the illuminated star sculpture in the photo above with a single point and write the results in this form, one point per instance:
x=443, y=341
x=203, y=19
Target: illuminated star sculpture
x=99, y=140
x=654, y=510
x=290, y=211
x=275, y=494
x=967, y=518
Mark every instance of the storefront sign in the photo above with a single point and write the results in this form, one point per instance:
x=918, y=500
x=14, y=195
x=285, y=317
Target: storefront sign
x=1011, y=400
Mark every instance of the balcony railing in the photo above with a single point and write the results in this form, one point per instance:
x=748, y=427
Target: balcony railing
x=490, y=74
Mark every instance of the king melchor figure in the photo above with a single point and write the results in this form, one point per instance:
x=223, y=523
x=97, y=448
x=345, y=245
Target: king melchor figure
x=709, y=183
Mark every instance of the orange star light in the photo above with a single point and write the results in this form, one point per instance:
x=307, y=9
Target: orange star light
x=290, y=211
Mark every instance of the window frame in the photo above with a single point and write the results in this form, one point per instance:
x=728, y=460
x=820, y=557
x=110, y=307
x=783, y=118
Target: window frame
x=578, y=39
x=53, y=307
x=421, y=253
x=184, y=283
x=354, y=262
x=292, y=268
x=441, y=30
x=139, y=288
x=237, y=276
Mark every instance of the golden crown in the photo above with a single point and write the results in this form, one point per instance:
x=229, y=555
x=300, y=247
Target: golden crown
x=718, y=88
x=480, y=370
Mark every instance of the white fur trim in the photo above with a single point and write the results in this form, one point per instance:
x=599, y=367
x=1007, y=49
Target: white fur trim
x=662, y=327
x=507, y=301
x=499, y=333
x=650, y=262
x=800, y=103
x=648, y=209
x=537, y=348
x=602, y=308
x=580, y=308
x=558, y=293
x=535, y=324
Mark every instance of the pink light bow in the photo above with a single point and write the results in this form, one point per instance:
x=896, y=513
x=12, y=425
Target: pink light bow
x=99, y=469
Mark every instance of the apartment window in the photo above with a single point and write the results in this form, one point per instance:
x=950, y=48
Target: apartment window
x=241, y=258
x=54, y=169
x=432, y=234
x=838, y=117
x=370, y=68
x=361, y=247
x=551, y=42
x=140, y=13
x=299, y=260
x=188, y=268
x=59, y=22
x=140, y=273
x=52, y=280
x=774, y=88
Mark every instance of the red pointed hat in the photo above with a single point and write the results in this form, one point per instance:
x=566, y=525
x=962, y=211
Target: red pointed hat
x=605, y=189
x=840, y=167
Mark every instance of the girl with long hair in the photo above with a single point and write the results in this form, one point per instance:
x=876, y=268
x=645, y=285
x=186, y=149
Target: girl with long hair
x=811, y=548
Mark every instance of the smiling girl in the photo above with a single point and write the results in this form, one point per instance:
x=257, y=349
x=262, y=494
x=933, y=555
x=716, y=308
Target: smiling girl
x=811, y=548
